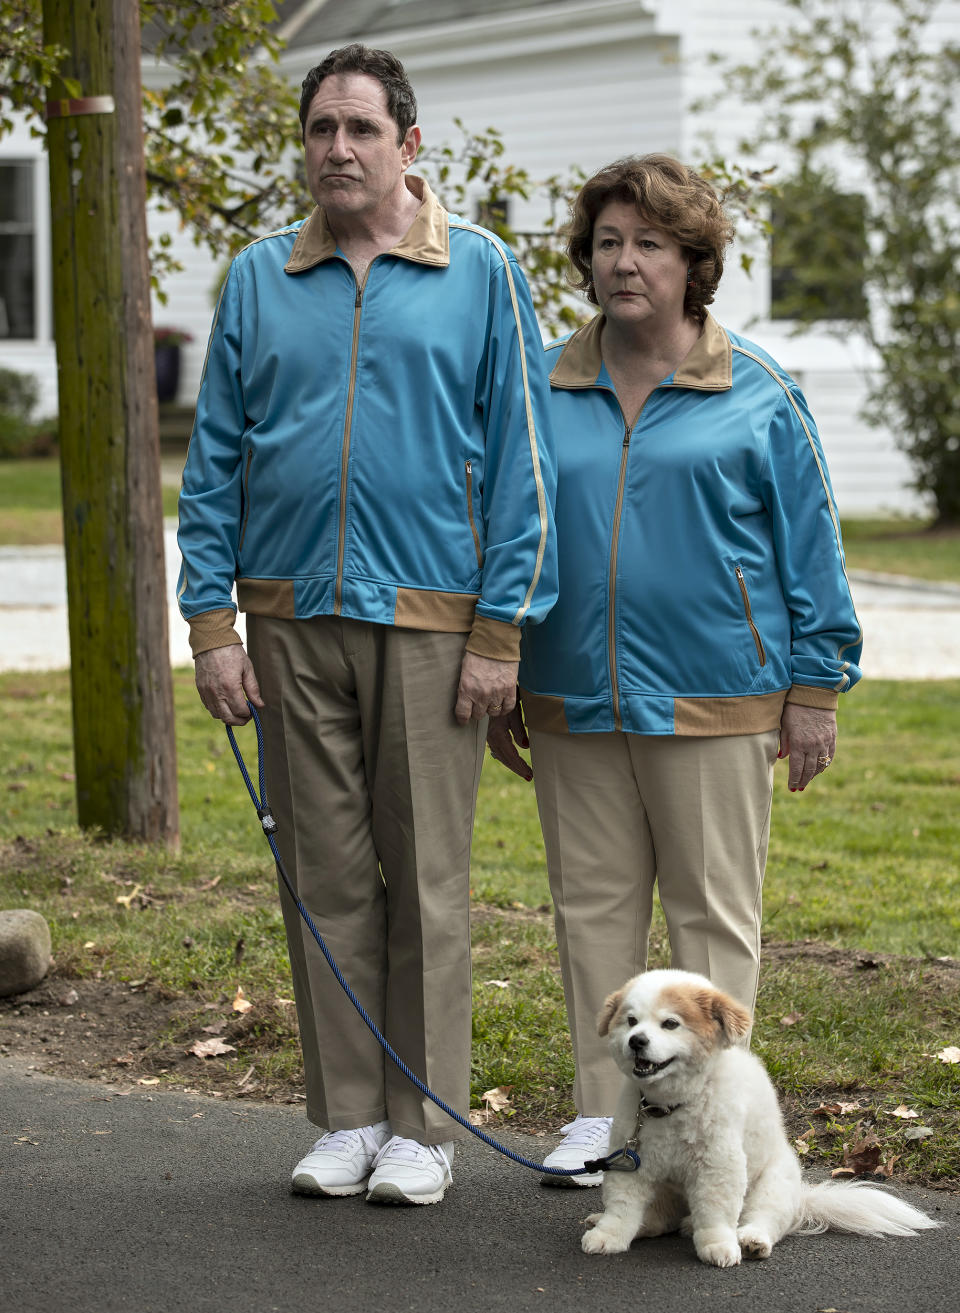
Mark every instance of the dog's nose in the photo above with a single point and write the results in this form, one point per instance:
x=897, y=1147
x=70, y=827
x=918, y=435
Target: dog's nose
x=639, y=1041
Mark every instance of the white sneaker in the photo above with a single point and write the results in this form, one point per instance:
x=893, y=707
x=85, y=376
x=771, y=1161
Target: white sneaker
x=341, y=1161
x=585, y=1138
x=407, y=1172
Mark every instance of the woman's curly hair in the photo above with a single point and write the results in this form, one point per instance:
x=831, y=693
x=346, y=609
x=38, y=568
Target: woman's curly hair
x=669, y=196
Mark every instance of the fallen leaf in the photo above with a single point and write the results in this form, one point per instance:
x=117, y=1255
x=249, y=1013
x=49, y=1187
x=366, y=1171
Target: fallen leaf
x=863, y=1158
x=908, y=1114
x=210, y=884
x=835, y=1109
x=25, y=1139
x=125, y=1061
x=791, y=1019
x=125, y=900
x=843, y=1172
x=801, y=1146
x=241, y=1003
x=216, y=1028
x=500, y=984
x=210, y=1048
x=498, y=1099
x=951, y=1054
x=917, y=1132
x=149, y=1080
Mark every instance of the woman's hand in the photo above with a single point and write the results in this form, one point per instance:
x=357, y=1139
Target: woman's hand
x=504, y=733
x=808, y=736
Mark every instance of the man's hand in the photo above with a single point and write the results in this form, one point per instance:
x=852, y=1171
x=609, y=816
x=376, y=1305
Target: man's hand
x=225, y=682
x=808, y=736
x=504, y=735
x=487, y=688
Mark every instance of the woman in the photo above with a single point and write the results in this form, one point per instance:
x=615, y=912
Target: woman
x=704, y=627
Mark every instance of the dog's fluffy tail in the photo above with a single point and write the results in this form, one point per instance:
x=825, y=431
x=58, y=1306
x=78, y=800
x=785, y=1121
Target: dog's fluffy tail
x=858, y=1209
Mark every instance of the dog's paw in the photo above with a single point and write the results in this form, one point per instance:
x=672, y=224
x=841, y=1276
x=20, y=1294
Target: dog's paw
x=721, y=1253
x=601, y=1241
x=755, y=1242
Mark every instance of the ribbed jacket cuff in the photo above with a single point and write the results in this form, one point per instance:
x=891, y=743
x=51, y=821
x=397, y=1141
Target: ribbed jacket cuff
x=495, y=639
x=806, y=695
x=213, y=629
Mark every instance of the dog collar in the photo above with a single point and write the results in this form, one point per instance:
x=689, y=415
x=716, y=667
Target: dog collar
x=654, y=1110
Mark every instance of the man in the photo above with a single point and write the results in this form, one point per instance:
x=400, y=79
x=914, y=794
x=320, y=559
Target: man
x=370, y=464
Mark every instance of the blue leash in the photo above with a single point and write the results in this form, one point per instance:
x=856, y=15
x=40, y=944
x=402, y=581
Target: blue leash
x=270, y=828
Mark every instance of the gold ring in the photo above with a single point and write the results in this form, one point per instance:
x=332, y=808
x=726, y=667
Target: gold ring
x=823, y=760
x=497, y=707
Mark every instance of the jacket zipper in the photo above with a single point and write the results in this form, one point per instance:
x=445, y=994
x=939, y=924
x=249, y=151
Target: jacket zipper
x=612, y=582
x=246, y=501
x=761, y=654
x=473, y=523
x=345, y=452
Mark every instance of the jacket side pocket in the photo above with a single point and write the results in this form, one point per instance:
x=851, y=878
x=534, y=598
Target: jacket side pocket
x=246, y=501
x=761, y=654
x=473, y=524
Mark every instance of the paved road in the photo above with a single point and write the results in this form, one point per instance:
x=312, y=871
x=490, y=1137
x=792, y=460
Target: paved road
x=172, y=1203
x=911, y=629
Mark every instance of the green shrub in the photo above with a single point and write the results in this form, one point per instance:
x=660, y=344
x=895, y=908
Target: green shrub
x=20, y=435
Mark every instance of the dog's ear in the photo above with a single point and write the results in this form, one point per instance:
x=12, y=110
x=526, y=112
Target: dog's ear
x=734, y=1019
x=609, y=1011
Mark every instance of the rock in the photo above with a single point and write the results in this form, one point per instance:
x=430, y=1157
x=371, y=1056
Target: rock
x=24, y=951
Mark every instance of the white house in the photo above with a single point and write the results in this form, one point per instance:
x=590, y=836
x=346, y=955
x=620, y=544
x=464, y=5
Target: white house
x=566, y=82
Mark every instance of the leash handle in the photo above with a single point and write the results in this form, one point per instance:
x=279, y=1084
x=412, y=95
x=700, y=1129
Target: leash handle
x=270, y=827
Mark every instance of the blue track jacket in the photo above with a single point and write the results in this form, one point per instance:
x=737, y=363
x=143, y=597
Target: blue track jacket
x=380, y=451
x=702, y=577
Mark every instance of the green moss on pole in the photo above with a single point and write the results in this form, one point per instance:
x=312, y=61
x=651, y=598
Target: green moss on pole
x=110, y=455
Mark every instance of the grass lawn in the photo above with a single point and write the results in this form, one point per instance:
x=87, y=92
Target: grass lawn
x=30, y=502
x=862, y=902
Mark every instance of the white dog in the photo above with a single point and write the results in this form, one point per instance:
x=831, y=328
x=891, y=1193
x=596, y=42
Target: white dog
x=703, y=1118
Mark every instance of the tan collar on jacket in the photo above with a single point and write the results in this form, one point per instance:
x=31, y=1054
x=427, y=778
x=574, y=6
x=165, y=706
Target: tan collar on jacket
x=427, y=240
x=708, y=364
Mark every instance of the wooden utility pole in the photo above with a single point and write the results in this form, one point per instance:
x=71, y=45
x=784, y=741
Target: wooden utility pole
x=110, y=452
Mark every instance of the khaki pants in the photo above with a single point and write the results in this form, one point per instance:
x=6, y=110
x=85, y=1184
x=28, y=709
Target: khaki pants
x=374, y=785
x=622, y=812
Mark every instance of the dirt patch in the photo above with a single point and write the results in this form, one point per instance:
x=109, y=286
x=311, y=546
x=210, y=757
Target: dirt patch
x=846, y=963
x=126, y=1035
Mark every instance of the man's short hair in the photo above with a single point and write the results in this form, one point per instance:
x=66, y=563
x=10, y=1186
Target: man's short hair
x=670, y=196
x=379, y=64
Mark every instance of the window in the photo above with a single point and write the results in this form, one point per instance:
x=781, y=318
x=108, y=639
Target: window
x=818, y=251
x=17, y=250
